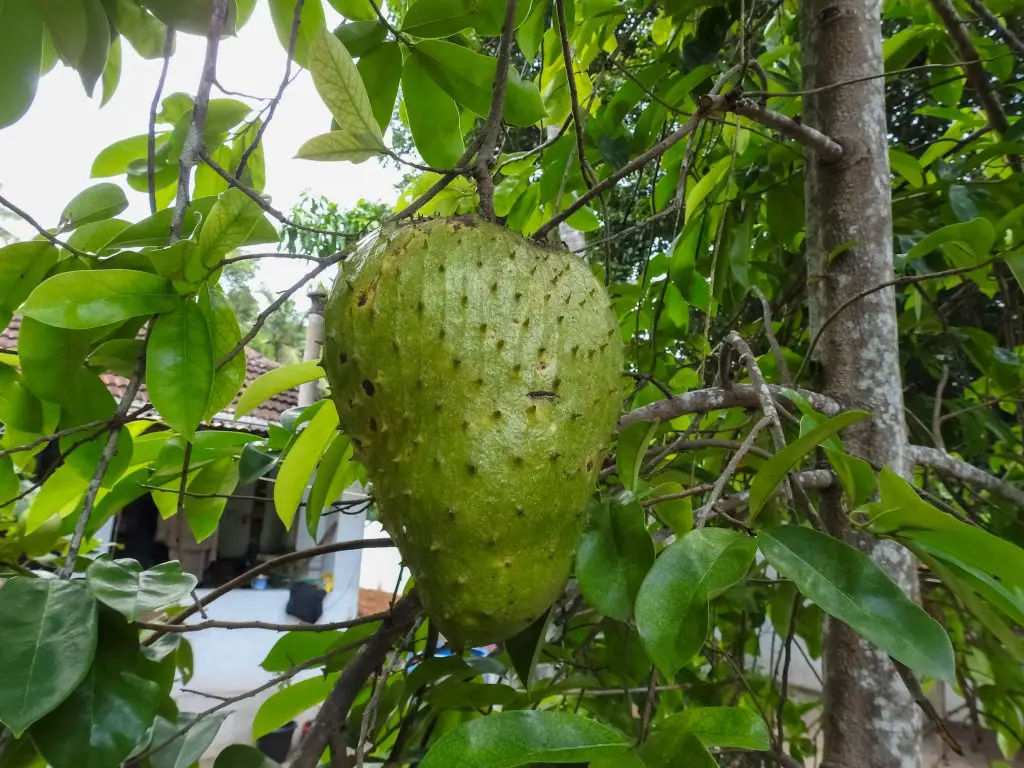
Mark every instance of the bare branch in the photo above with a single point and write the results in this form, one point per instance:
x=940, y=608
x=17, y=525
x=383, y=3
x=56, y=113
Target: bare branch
x=109, y=449
x=947, y=464
x=788, y=127
x=716, y=399
x=773, y=342
x=334, y=711
x=194, y=139
x=937, y=409
x=153, y=107
x=390, y=27
x=40, y=229
x=274, y=102
x=574, y=100
x=482, y=169
x=178, y=629
x=441, y=183
x=702, y=515
x=1001, y=29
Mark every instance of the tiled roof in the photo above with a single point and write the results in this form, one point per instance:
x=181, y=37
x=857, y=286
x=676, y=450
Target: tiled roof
x=373, y=601
x=256, y=365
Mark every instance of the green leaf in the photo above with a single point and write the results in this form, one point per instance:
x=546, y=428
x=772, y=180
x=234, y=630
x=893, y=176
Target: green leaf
x=433, y=116
x=22, y=267
x=179, y=367
x=228, y=226
x=225, y=335
x=115, y=159
x=468, y=77
x=338, y=82
x=524, y=649
x=677, y=747
x=187, y=748
x=93, y=298
x=850, y=587
x=19, y=409
x=90, y=400
x=111, y=71
x=357, y=10
x=855, y=475
x=116, y=355
x=907, y=166
x=672, y=606
x=100, y=201
x=531, y=31
x=614, y=556
x=340, y=145
x=133, y=592
x=49, y=644
x=629, y=456
x=189, y=16
x=290, y=702
x=361, y=37
x=92, y=238
x=720, y=727
x=145, y=32
x=962, y=203
x=510, y=739
x=21, y=52
x=301, y=460
x=51, y=358
x=80, y=32
x=334, y=473
x=58, y=496
x=381, y=71
x=443, y=18
x=242, y=756
x=311, y=21
x=772, y=471
x=108, y=714
x=274, y=382
x=977, y=236
x=212, y=485
x=294, y=648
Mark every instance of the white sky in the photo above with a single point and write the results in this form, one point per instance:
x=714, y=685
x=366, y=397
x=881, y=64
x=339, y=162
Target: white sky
x=46, y=156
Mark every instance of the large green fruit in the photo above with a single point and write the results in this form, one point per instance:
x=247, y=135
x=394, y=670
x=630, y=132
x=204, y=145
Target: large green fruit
x=479, y=375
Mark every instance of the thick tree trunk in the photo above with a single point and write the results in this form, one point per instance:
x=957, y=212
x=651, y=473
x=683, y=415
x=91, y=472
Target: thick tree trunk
x=870, y=718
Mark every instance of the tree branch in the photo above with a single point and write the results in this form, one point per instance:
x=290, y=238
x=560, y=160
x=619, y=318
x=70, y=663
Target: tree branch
x=574, y=100
x=274, y=102
x=177, y=629
x=946, y=464
x=40, y=229
x=701, y=516
x=194, y=138
x=492, y=128
x=715, y=399
x=788, y=127
x=153, y=107
x=334, y=710
x=441, y=183
x=990, y=18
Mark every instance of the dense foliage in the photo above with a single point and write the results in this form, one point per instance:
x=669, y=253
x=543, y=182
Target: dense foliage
x=676, y=147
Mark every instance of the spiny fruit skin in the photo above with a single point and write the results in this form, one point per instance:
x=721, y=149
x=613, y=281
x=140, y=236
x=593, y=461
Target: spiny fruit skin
x=479, y=375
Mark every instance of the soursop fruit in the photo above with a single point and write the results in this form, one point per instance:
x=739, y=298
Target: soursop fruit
x=479, y=376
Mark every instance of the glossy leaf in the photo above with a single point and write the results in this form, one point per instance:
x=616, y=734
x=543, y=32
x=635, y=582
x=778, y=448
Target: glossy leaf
x=93, y=298
x=340, y=145
x=49, y=644
x=115, y=159
x=433, y=116
x=667, y=748
x=311, y=20
x=443, y=18
x=225, y=335
x=21, y=45
x=131, y=591
x=381, y=71
x=179, y=367
x=107, y=715
x=231, y=219
x=94, y=237
x=614, y=556
x=19, y=409
x=774, y=470
x=358, y=10
x=275, y=381
x=850, y=587
x=361, y=37
x=294, y=648
x=144, y=31
x=22, y=268
x=212, y=484
x=90, y=401
x=187, y=748
x=721, y=727
x=338, y=82
x=524, y=649
x=510, y=739
x=51, y=358
x=100, y=201
x=81, y=33
x=117, y=355
x=973, y=239
x=290, y=702
x=333, y=475
x=300, y=461
x=632, y=447
x=672, y=606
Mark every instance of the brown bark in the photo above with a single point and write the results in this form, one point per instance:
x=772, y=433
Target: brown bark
x=870, y=719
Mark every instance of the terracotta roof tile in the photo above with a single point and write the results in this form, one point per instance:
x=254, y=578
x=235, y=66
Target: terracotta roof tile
x=373, y=601
x=256, y=365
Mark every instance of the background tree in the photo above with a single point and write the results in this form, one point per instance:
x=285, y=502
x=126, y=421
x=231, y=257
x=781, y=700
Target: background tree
x=808, y=220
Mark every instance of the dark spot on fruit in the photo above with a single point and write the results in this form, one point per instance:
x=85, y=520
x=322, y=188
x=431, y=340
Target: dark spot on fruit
x=456, y=362
x=368, y=387
x=419, y=307
x=394, y=344
x=363, y=298
x=451, y=513
x=441, y=333
x=471, y=468
x=542, y=394
x=590, y=465
x=479, y=381
x=554, y=455
x=483, y=328
x=575, y=349
x=501, y=343
x=342, y=358
x=547, y=297
x=526, y=323
x=438, y=405
x=518, y=296
x=496, y=415
x=479, y=262
x=531, y=411
x=465, y=426
x=520, y=511
x=560, y=318
x=440, y=268
x=437, y=461
x=373, y=424
x=494, y=287
x=508, y=563
x=420, y=383
x=517, y=461
x=590, y=353
x=517, y=368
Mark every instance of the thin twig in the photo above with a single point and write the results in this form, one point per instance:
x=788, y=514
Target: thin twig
x=483, y=168
x=652, y=690
x=922, y=701
x=56, y=436
x=194, y=138
x=787, y=654
x=274, y=102
x=39, y=228
x=825, y=146
x=574, y=101
x=902, y=280
x=370, y=713
x=335, y=709
x=1000, y=29
x=109, y=449
x=937, y=409
x=177, y=629
x=390, y=27
x=773, y=342
x=702, y=515
x=153, y=107
x=441, y=183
